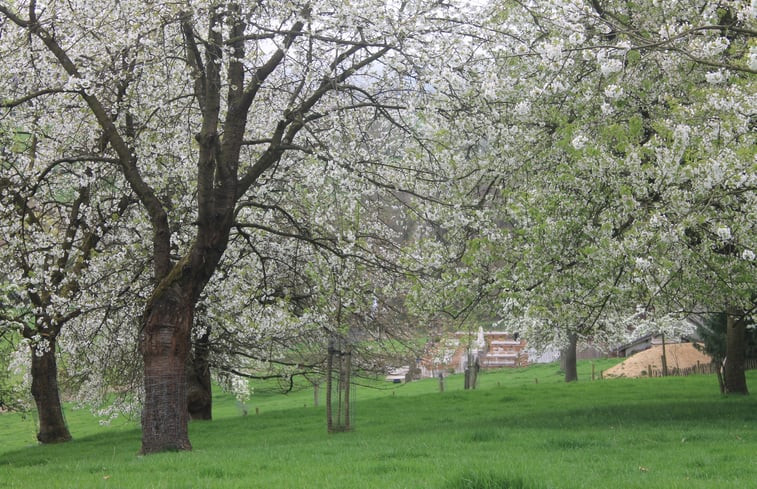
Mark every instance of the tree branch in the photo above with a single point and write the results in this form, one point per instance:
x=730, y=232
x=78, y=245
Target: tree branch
x=10, y=103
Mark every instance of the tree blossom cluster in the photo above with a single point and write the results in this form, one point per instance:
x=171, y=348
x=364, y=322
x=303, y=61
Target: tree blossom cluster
x=629, y=179
x=550, y=164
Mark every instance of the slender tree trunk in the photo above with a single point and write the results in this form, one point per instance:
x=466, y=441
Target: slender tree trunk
x=475, y=370
x=346, y=381
x=468, y=371
x=734, y=375
x=52, y=425
x=165, y=343
x=570, y=355
x=329, y=386
x=721, y=380
x=199, y=393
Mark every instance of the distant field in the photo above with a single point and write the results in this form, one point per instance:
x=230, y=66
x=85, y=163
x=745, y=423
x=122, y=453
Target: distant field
x=521, y=429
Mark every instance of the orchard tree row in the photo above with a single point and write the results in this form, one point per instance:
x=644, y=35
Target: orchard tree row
x=195, y=187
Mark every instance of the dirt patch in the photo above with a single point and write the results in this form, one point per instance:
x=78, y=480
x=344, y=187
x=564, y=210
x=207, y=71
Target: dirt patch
x=680, y=355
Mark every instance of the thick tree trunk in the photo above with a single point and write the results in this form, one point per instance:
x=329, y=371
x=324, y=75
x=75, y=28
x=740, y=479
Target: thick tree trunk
x=569, y=356
x=52, y=425
x=165, y=344
x=734, y=375
x=199, y=394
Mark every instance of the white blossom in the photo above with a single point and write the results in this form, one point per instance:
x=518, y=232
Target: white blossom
x=642, y=263
x=579, y=141
x=682, y=133
x=523, y=107
x=724, y=233
x=613, y=92
x=715, y=77
x=752, y=59
x=609, y=66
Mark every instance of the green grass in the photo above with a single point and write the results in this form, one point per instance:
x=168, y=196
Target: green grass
x=511, y=433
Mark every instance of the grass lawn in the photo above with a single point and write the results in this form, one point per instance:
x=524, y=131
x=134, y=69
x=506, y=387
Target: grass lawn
x=510, y=433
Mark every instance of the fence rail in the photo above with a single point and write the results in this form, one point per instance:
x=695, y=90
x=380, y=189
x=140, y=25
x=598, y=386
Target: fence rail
x=699, y=368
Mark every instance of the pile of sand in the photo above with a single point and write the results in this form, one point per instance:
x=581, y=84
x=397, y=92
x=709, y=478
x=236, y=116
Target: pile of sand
x=679, y=355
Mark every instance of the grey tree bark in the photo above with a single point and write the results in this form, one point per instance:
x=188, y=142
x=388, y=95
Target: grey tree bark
x=52, y=425
x=570, y=356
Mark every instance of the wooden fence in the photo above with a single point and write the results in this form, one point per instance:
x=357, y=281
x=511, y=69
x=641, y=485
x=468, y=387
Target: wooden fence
x=699, y=368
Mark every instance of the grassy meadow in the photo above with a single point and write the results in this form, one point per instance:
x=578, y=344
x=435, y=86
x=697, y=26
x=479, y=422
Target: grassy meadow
x=521, y=429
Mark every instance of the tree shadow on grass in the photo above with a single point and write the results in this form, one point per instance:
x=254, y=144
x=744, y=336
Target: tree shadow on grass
x=125, y=443
x=84, y=447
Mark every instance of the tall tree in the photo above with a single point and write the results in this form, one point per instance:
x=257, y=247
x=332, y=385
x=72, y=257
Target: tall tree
x=634, y=181
x=55, y=217
x=243, y=91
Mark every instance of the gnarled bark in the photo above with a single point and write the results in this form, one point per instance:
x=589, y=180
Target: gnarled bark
x=165, y=344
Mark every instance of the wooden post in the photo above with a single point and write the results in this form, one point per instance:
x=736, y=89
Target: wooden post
x=441, y=381
x=476, y=371
x=664, y=358
x=592, y=371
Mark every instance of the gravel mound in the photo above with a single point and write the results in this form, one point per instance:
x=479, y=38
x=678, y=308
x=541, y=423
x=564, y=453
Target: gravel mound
x=679, y=355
